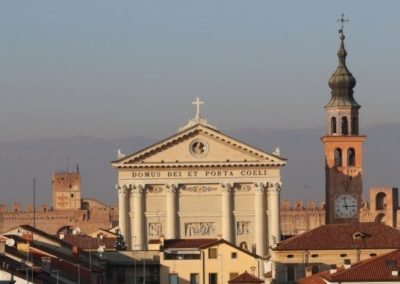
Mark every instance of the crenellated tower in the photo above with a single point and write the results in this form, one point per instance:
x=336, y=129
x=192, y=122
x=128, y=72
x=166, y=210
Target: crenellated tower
x=66, y=190
x=342, y=145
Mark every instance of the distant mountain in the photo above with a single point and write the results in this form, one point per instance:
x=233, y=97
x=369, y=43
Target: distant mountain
x=303, y=176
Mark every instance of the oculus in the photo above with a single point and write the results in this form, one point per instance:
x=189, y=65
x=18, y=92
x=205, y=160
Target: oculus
x=198, y=148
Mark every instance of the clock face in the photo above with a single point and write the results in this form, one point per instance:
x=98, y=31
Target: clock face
x=346, y=206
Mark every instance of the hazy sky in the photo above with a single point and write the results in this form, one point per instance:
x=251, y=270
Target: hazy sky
x=124, y=68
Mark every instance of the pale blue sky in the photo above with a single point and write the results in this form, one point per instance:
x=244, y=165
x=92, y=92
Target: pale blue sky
x=125, y=68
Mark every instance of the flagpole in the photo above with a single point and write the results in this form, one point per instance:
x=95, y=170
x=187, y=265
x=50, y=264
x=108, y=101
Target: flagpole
x=34, y=202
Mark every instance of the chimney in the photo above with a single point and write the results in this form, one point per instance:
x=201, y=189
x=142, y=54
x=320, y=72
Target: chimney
x=347, y=263
x=75, y=252
x=162, y=241
x=333, y=269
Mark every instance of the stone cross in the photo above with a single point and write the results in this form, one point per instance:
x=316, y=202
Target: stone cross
x=197, y=102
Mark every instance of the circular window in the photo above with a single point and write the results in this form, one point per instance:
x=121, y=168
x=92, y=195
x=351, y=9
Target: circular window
x=198, y=148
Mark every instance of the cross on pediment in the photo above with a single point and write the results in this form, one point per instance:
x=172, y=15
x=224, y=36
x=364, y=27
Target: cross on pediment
x=197, y=102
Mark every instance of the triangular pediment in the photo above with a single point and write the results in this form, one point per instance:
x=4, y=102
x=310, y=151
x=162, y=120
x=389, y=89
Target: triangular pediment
x=198, y=145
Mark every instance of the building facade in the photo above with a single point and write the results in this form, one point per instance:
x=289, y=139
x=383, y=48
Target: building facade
x=200, y=183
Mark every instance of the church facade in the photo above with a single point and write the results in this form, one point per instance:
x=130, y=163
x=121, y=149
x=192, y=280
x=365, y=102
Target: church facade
x=200, y=183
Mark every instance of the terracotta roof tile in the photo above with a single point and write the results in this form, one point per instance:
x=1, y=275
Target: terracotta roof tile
x=87, y=242
x=187, y=243
x=200, y=244
x=375, y=235
x=313, y=279
x=245, y=277
x=374, y=269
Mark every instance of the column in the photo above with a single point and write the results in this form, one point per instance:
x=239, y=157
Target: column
x=260, y=219
x=227, y=217
x=138, y=217
x=123, y=213
x=171, y=228
x=274, y=216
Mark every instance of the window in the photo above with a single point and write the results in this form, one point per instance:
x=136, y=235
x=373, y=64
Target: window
x=314, y=255
x=212, y=278
x=212, y=253
x=338, y=157
x=233, y=275
x=194, y=278
x=351, y=157
x=343, y=255
x=333, y=125
x=173, y=278
x=290, y=273
x=243, y=245
x=314, y=269
x=345, y=126
x=380, y=201
x=121, y=274
x=233, y=255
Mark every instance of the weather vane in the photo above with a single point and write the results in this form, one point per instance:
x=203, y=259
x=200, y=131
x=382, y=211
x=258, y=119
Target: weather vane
x=342, y=20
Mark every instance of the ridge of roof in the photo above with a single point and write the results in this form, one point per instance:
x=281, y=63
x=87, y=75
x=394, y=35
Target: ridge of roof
x=377, y=236
x=246, y=277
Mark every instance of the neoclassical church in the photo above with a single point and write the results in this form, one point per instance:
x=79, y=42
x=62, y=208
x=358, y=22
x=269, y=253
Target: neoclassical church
x=200, y=183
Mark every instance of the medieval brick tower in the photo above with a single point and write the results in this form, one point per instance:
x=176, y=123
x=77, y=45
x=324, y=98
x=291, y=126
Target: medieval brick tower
x=342, y=146
x=66, y=190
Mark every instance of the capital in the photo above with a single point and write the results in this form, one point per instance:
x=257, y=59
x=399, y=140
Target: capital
x=172, y=188
x=275, y=188
x=260, y=187
x=138, y=189
x=122, y=190
x=226, y=187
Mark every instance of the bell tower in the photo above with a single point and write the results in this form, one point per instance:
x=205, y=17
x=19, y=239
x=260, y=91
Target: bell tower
x=342, y=145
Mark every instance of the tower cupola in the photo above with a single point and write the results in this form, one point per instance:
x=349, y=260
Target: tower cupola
x=342, y=81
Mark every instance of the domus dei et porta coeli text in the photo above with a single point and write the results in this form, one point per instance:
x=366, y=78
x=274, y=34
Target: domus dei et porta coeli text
x=200, y=183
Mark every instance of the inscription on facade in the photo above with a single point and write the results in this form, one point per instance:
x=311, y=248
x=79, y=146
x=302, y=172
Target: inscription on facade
x=199, y=229
x=200, y=173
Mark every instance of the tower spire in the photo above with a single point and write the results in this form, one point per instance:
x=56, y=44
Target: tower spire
x=342, y=81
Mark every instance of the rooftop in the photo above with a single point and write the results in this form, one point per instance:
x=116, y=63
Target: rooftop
x=346, y=236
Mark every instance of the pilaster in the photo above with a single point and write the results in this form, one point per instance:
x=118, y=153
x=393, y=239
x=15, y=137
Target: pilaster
x=274, y=216
x=138, y=230
x=171, y=222
x=259, y=204
x=123, y=211
x=227, y=212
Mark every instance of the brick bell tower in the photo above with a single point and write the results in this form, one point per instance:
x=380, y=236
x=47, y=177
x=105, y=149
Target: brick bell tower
x=342, y=145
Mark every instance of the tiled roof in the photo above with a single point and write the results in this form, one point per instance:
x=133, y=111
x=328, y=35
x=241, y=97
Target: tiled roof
x=342, y=236
x=87, y=242
x=314, y=279
x=375, y=269
x=245, y=278
x=187, y=243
